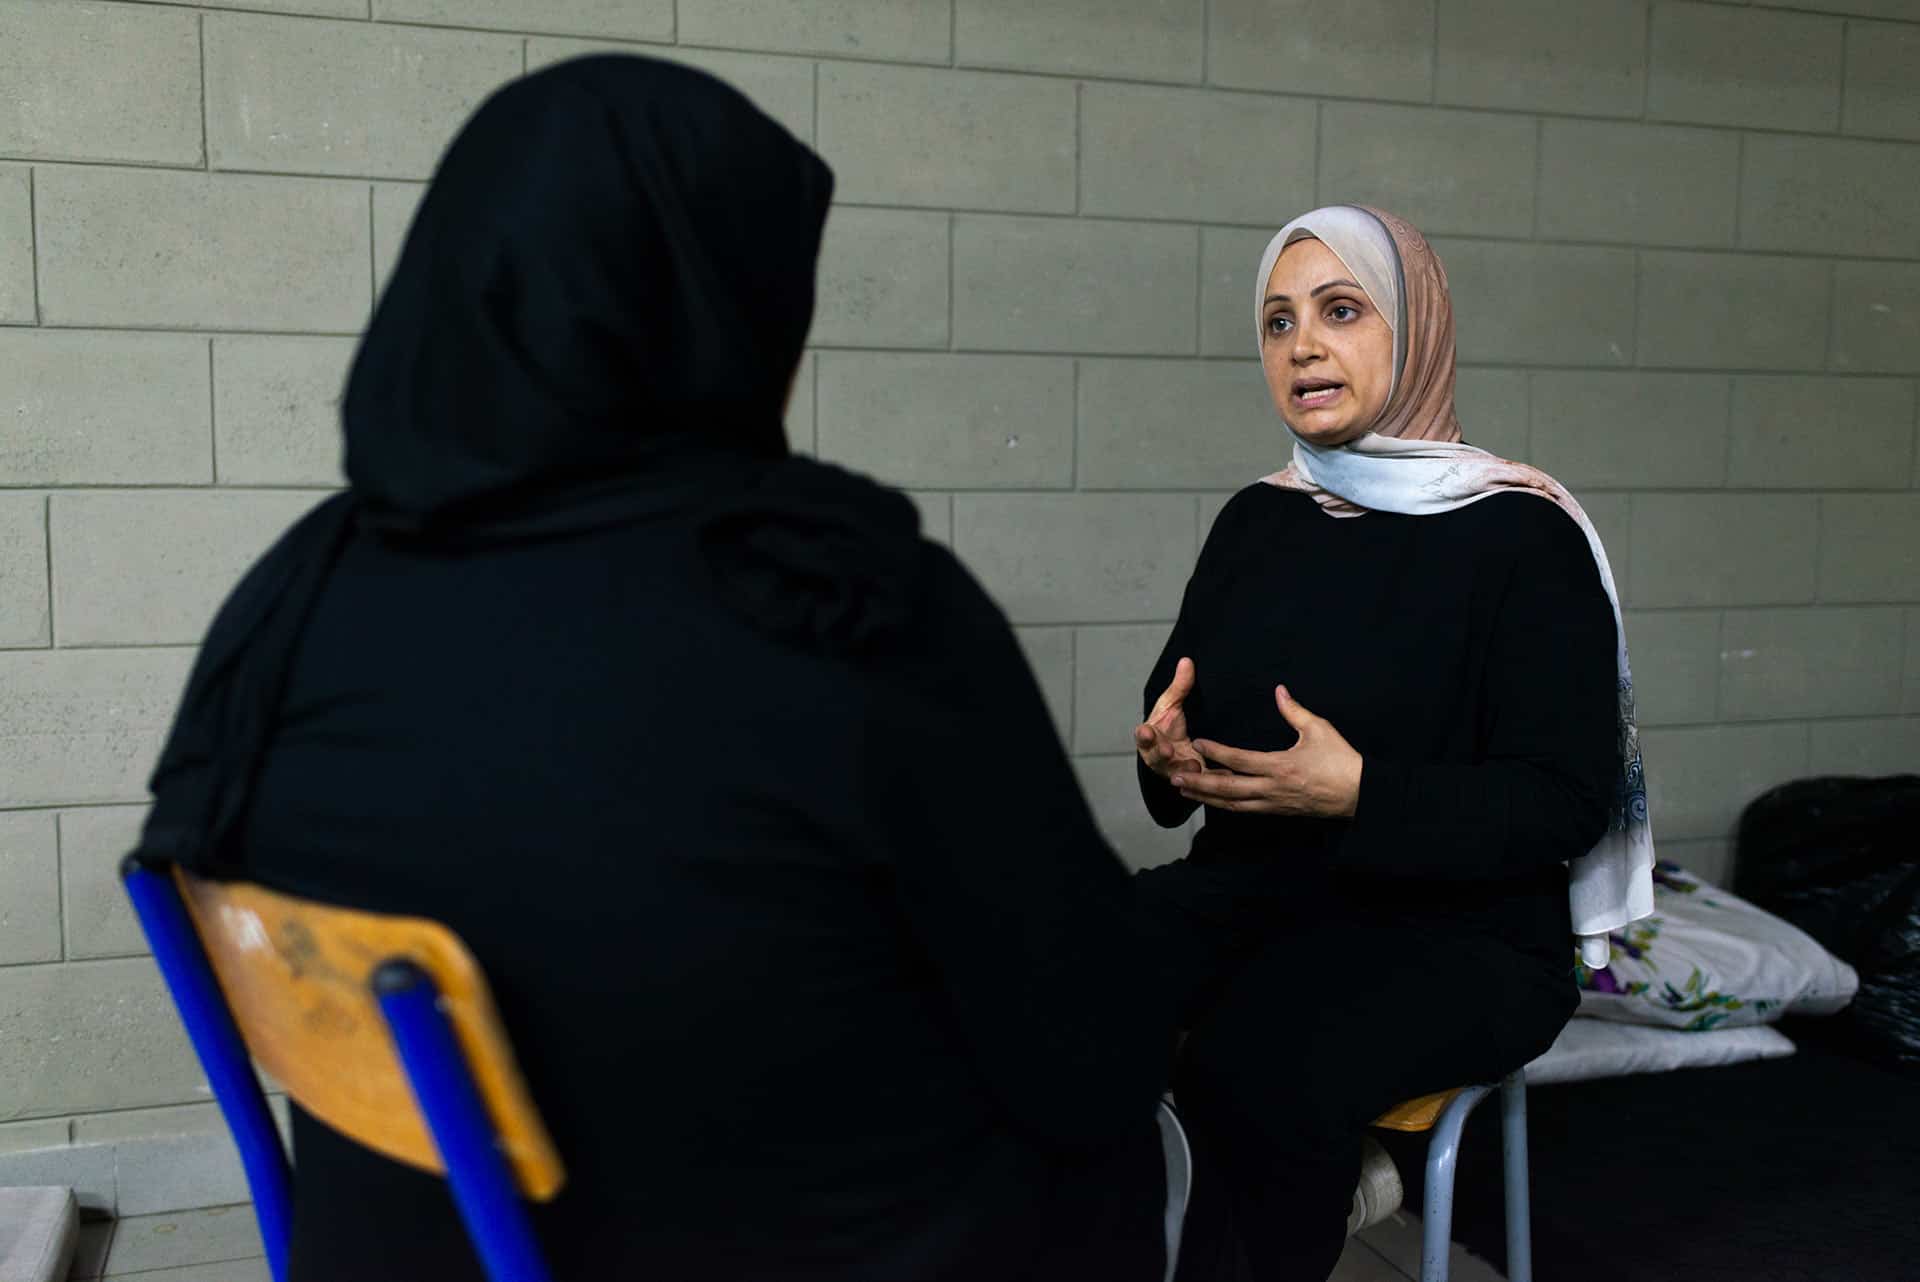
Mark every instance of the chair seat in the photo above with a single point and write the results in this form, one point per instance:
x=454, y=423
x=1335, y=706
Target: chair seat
x=1416, y=1114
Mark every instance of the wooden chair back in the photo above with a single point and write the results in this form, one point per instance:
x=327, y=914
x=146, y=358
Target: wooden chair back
x=296, y=976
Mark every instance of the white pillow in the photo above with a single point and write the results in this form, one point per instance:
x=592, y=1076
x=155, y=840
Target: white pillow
x=1708, y=959
x=1596, y=1048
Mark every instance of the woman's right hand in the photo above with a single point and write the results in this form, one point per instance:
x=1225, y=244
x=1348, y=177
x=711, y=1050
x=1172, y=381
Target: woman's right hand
x=1162, y=738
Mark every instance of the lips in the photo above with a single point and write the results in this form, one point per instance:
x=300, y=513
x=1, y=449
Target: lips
x=1311, y=393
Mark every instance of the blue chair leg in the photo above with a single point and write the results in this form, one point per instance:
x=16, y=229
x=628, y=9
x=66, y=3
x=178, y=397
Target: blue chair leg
x=482, y=1182
x=1436, y=1216
x=1513, y=1153
x=223, y=1054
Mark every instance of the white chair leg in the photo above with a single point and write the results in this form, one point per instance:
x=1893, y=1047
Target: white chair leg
x=1513, y=1153
x=1179, y=1160
x=1436, y=1216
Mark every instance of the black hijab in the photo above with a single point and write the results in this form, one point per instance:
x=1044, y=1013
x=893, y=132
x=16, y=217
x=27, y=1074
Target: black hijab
x=599, y=308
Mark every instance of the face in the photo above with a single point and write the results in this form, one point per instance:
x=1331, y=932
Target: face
x=1326, y=349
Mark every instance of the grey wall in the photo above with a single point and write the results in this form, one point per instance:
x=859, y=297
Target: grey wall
x=1684, y=240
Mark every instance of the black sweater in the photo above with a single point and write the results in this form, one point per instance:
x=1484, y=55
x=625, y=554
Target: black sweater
x=1468, y=656
x=796, y=998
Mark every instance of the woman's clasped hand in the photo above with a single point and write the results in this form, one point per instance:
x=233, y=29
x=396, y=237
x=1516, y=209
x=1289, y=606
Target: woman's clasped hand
x=1318, y=776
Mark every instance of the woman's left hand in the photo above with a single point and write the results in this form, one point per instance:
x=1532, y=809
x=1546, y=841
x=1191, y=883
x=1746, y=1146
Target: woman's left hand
x=1319, y=775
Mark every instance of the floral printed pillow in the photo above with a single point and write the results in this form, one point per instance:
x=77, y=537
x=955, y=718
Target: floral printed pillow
x=1708, y=959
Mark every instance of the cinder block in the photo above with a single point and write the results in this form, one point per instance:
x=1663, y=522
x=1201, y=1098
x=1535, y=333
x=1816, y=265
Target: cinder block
x=87, y=1170
x=1492, y=407
x=394, y=205
x=1841, y=194
x=1229, y=260
x=1113, y=793
x=1869, y=547
x=297, y=96
x=100, y=82
x=1820, y=662
x=1638, y=184
x=1208, y=512
x=1136, y=39
x=92, y=1036
x=946, y=421
x=882, y=280
x=1177, y=425
x=627, y=19
x=1362, y=48
x=1583, y=60
x=213, y=1235
x=169, y=1159
x=1444, y=171
x=802, y=436
x=936, y=516
x=914, y=136
x=1895, y=9
x=1800, y=433
x=1699, y=780
x=25, y=606
x=1078, y=558
x=1746, y=67
x=29, y=889
x=277, y=409
x=1910, y=700
x=1676, y=666
x=1883, y=94
x=97, y=915
x=201, y=251
x=1710, y=861
x=1732, y=311
x=84, y=726
x=316, y=8
x=149, y=567
x=1876, y=318
x=105, y=409
x=1631, y=430
x=1872, y=747
x=18, y=305
x=1183, y=153
x=21, y=1137
x=781, y=87
x=1110, y=670
x=1049, y=653
x=1074, y=285
x=1522, y=304
x=894, y=30
x=1723, y=549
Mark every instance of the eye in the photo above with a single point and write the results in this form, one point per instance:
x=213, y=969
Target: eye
x=1344, y=312
x=1277, y=324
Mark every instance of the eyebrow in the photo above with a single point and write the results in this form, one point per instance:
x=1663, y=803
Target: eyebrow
x=1317, y=291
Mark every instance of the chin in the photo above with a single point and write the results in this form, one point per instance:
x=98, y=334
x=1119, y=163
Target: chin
x=1326, y=436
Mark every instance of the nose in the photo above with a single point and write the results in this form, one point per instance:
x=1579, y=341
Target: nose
x=1306, y=345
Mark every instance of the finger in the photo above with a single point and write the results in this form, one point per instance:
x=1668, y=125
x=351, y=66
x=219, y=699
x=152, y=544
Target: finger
x=1238, y=759
x=1250, y=806
x=1296, y=715
x=1219, y=784
x=1177, y=690
x=1144, y=736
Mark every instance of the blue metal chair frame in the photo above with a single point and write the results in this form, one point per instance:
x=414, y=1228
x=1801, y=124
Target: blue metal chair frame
x=1443, y=1151
x=482, y=1183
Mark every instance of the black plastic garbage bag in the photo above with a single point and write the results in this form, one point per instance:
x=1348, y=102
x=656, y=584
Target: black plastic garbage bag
x=1840, y=858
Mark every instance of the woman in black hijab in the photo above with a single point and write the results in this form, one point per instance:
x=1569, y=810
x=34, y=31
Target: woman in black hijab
x=686, y=738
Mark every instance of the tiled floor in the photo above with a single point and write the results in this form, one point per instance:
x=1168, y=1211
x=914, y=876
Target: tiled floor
x=223, y=1245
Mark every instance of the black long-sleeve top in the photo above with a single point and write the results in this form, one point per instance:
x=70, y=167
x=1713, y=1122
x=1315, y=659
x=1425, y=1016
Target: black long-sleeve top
x=1469, y=658
x=794, y=999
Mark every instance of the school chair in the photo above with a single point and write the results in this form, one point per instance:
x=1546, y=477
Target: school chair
x=1445, y=1114
x=380, y=1026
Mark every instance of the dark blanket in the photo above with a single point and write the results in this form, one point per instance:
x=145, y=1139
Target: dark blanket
x=1772, y=1171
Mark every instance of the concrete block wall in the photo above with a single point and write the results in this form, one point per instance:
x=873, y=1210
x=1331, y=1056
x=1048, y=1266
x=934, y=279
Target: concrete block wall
x=1684, y=240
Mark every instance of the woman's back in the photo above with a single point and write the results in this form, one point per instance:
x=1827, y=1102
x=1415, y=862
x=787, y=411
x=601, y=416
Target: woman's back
x=701, y=896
